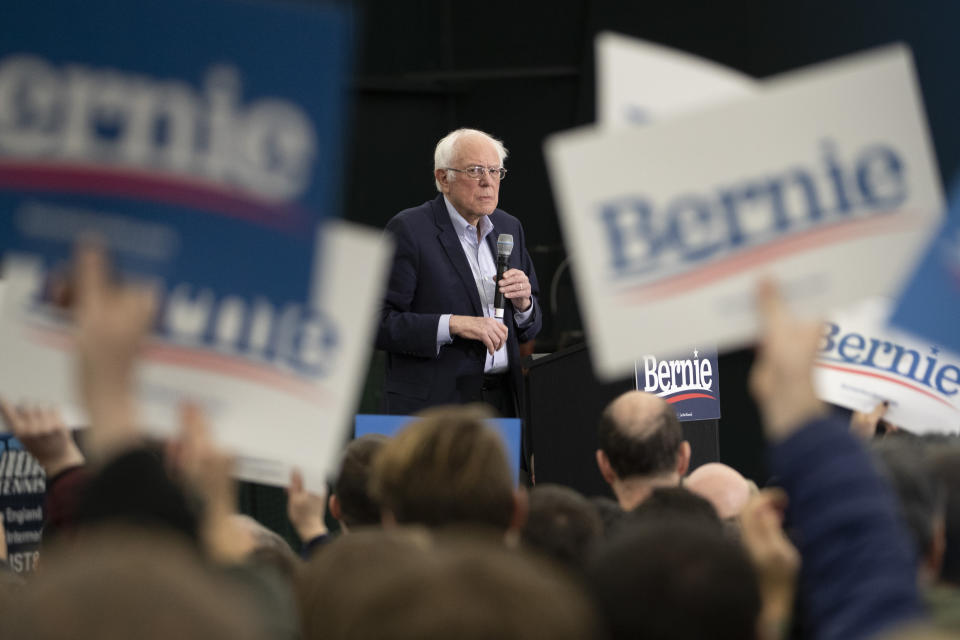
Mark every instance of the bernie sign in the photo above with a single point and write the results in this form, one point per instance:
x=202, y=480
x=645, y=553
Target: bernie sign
x=691, y=384
x=671, y=224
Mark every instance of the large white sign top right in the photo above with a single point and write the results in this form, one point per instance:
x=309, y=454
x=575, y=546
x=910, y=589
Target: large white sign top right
x=824, y=180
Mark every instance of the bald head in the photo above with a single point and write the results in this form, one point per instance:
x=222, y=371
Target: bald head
x=723, y=486
x=638, y=414
x=640, y=435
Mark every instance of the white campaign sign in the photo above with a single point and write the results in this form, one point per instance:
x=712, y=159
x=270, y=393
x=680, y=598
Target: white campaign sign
x=271, y=418
x=640, y=82
x=824, y=179
x=862, y=362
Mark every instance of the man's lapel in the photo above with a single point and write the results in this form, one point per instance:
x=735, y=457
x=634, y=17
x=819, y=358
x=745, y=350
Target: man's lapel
x=451, y=245
x=492, y=241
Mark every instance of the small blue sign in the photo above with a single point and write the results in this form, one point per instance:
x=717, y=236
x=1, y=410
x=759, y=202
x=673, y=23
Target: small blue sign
x=508, y=428
x=22, y=488
x=929, y=306
x=691, y=382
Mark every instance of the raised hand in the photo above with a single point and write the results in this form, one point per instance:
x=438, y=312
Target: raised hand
x=774, y=557
x=781, y=379
x=112, y=322
x=306, y=510
x=864, y=424
x=206, y=472
x=44, y=435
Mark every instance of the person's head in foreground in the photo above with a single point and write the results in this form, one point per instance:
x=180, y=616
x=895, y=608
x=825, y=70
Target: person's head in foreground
x=723, y=486
x=666, y=503
x=447, y=468
x=350, y=502
x=640, y=447
x=947, y=462
x=400, y=584
x=128, y=583
x=921, y=499
x=675, y=579
x=561, y=523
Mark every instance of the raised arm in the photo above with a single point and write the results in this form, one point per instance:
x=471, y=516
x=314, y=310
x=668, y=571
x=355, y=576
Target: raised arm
x=858, y=575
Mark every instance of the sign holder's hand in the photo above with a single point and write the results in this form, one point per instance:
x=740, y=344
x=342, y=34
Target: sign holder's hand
x=781, y=378
x=112, y=323
x=864, y=425
x=306, y=510
x=206, y=472
x=776, y=560
x=44, y=435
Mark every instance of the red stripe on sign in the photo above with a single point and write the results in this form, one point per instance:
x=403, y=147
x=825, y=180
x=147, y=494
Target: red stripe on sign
x=227, y=365
x=871, y=374
x=795, y=243
x=688, y=396
x=154, y=187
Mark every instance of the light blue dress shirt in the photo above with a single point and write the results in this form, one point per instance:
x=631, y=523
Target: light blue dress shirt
x=484, y=267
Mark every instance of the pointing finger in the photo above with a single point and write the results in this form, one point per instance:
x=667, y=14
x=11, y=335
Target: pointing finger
x=91, y=275
x=769, y=302
x=296, y=482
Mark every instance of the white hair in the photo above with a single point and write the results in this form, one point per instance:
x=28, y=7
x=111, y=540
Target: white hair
x=446, y=149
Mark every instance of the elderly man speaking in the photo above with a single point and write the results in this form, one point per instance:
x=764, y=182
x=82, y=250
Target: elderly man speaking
x=438, y=325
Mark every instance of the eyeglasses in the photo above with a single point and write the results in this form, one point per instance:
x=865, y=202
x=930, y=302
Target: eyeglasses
x=476, y=172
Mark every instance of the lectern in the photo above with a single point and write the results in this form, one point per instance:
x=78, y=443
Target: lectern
x=563, y=403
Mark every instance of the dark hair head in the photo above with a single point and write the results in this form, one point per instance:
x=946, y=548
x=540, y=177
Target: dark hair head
x=674, y=579
x=561, y=523
x=130, y=583
x=269, y=549
x=640, y=435
x=947, y=464
x=907, y=467
x=332, y=583
x=386, y=584
x=676, y=503
x=448, y=467
x=611, y=513
x=357, y=507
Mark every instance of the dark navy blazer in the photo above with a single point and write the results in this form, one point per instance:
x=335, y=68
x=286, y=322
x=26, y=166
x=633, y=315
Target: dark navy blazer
x=431, y=277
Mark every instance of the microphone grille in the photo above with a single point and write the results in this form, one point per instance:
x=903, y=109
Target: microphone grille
x=504, y=244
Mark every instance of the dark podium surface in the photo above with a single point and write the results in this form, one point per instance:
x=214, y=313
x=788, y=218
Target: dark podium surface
x=563, y=403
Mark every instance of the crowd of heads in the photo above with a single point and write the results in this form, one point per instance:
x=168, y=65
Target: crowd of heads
x=447, y=468
x=436, y=539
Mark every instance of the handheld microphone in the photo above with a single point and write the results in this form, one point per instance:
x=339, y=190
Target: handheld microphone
x=504, y=249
